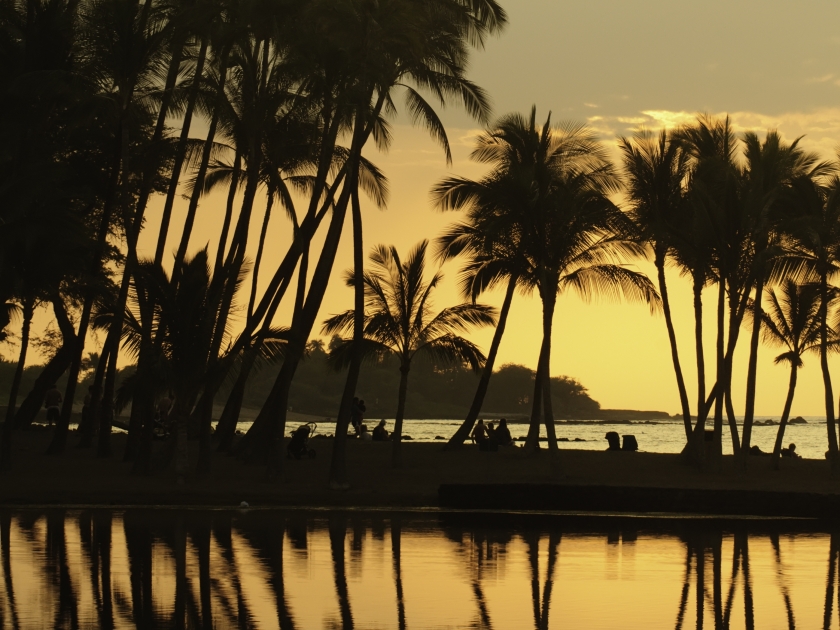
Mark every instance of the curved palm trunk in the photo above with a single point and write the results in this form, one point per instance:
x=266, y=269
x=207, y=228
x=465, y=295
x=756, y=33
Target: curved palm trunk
x=59, y=440
x=181, y=152
x=396, y=436
x=6, y=445
x=271, y=422
x=226, y=428
x=31, y=405
x=752, y=369
x=201, y=174
x=672, y=340
x=258, y=259
x=463, y=432
x=834, y=460
x=338, y=465
x=28, y=312
x=780, y=435
x=234, y=185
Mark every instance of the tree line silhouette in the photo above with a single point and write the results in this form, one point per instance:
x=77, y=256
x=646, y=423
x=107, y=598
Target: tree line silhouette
x=292, y=93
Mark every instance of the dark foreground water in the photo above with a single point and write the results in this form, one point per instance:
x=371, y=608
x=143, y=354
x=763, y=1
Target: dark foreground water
x=311, y=569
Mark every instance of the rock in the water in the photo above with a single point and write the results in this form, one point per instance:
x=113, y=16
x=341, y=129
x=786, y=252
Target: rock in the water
x=439, y=437
x=798, y=420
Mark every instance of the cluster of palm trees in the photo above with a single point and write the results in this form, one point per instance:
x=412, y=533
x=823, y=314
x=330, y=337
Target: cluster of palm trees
x=757, y=219
x=101, y=98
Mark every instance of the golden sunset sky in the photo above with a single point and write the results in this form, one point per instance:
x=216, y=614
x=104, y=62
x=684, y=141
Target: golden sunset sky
x=617, y=65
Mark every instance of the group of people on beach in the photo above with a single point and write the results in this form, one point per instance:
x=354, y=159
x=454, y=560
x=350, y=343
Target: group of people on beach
x=357, y=415
x=488, y=434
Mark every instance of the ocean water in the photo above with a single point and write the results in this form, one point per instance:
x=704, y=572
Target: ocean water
x=653, y=436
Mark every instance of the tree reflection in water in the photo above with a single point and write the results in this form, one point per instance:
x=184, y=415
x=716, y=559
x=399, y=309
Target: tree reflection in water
x=290, y=570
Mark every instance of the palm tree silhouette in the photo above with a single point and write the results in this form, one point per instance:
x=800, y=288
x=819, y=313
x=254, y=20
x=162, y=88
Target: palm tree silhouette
x=492, y=259
x=399, y=321
x=815, y=246
x=792, y=321
x=655, y=171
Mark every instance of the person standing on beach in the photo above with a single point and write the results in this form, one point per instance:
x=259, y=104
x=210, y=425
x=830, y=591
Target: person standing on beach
x=52, y=401
x=479, y=433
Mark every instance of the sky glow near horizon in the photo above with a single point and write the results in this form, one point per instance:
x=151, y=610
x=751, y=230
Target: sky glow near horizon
x=617, y=66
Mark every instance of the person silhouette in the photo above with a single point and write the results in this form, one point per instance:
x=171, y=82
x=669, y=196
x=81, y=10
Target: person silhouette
x=52, y=401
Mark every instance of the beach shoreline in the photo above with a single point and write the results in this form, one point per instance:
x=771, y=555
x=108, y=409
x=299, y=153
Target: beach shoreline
x=79, y=478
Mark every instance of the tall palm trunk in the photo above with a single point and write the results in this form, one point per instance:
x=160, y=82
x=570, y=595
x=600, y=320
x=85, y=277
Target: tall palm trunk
x=88, y=427
x=548, y=317
x=736, y=312
x=702, y=410
x=672, y=339
x=181, y=151
x=834, y=460
x=272, y=418
x=752, y=369
x=463, y=432
x=234, y=186
x=338, y=465
x=396, y=436
x=532, y=440
x=201, y=174
x=720, y=368
x=780, y=435
x=6, y=445
x=260, y=247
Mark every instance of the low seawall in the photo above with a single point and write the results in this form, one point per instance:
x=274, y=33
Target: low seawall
x=639, y=499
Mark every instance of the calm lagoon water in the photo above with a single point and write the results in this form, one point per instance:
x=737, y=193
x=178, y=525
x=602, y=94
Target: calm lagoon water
x=368, y=570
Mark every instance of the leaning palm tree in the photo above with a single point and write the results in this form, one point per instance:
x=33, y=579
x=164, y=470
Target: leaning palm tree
x=491, y=260
x=792, y=321
x=399, y=321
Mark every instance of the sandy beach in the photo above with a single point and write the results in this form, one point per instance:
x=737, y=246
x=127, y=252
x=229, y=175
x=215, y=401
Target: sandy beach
x=79, y=478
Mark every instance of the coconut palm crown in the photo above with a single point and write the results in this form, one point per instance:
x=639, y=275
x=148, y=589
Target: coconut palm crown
x=400, y=321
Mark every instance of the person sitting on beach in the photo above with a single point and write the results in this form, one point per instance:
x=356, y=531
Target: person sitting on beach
x=479, y=433
x=364, y=435
x=790, y=451
x=380, y=433
x=52, y=401
x=491, y=432
x=502, y=434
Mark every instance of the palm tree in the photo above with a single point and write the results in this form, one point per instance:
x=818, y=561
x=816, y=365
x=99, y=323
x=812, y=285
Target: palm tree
x=552, y=186
x=792, y=321
x=399, y=322
x=656, y=169
x=814, y=244
x=491, y=260
x=771, y=168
